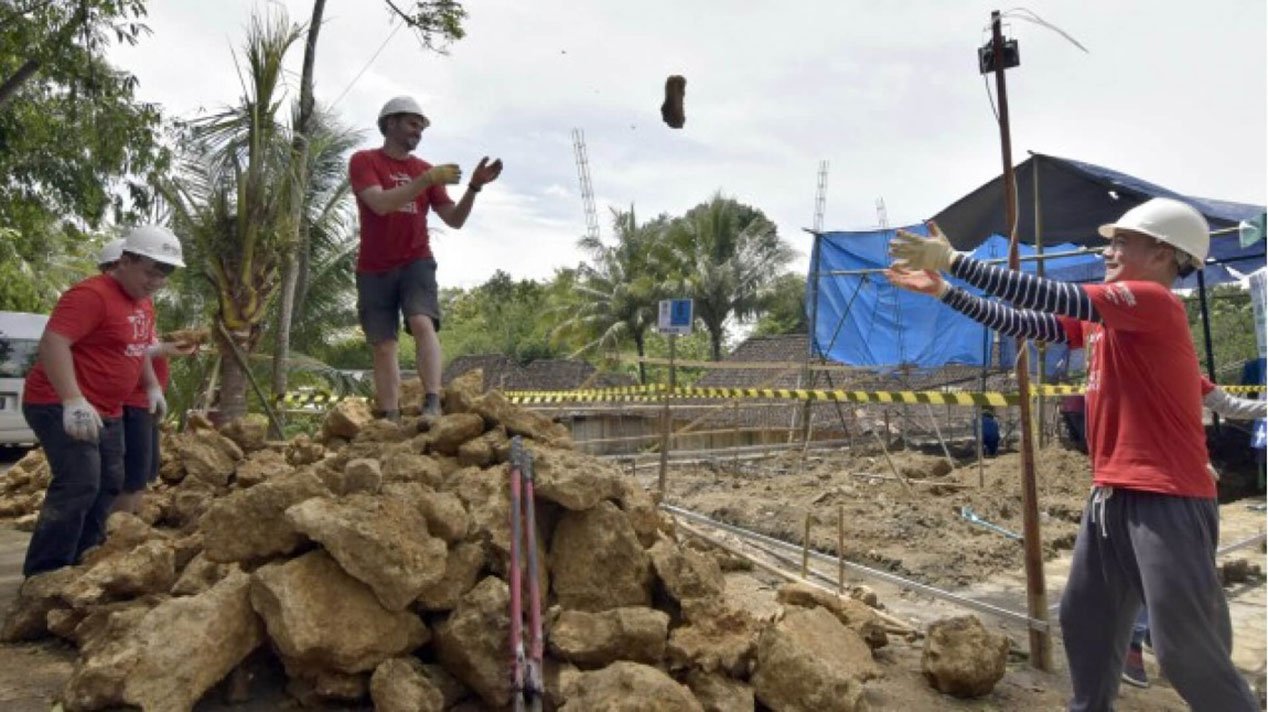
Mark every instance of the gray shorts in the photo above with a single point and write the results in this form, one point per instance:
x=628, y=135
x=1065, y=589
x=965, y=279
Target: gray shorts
x=383, y=297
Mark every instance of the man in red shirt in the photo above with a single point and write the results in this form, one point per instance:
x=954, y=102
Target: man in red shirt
x=396, y=271
x=91, y=357
x=1151, y=527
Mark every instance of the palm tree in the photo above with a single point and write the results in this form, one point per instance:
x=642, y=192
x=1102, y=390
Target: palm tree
x=616, y=292
x=727, y=258
x=229, y=199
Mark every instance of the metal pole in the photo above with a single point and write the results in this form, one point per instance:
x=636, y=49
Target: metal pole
x=1036, y=597
x=1206, y=340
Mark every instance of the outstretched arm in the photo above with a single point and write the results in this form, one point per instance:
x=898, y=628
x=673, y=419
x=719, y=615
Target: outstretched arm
x=1230, y=406
x=1024, y=323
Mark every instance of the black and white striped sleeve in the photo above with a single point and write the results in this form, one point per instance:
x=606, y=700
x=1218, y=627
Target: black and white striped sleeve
x=1025, y=323
x=1026, y=290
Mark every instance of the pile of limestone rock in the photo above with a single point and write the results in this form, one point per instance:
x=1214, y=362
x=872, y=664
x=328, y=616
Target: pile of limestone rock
x=371, y=563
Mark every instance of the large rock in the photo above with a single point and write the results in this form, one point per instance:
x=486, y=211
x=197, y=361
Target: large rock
x=381, y=541
x=629, y=687
x=149, y=568
x=301, y=450
x=250, y=524
x=259, y=467
x=200, y=575
x=167, y=657
x=27, y=617
x=250, y=432
x=449, y=432
x=641, y=510
x=411, y=467
x=472, y=642
x=318, y=615
x=463, y=390
x=401, y=685
x=855, y=614
x=597, y=639
x=496, y=409
x=718, y=638
x=124, y=532
x=597, y=562
x=487, y=499
x=444, y=511
x=462, y=569
x=571, y=479
x=208, y=456
x=718, y=693
x=346, y=419
x=687, y=575
x=963, y=659
x=484, y=450
x=810, y=662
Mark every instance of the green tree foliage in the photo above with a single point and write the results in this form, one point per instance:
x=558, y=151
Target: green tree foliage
x=75, y=144
x=503, y=316
x=726, y=257
x=1232, y=329
x=785, y=309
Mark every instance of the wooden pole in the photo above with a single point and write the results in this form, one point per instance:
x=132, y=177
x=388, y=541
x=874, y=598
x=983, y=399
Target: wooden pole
x=1039, y=268
x=805, y=549
x=1036, y=596
x=666, y=424
x=841, y=549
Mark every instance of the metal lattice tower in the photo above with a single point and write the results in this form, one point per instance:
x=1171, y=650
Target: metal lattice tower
x=882, y=216
x=587, y=190
x=821, y=196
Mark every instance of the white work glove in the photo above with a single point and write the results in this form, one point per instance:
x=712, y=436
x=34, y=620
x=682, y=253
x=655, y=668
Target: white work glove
x=913, y=252
x=80, y=419
x=158, y=403
x=447, y=174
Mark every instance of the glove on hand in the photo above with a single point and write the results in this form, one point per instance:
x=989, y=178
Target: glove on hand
x=158, y=402
x=913, y=252
x=80, y=420
x=447, y=174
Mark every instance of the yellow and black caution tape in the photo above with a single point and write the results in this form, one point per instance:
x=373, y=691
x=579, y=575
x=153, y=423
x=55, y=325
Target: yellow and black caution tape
x=314, y=398
x=1245, y=389
x=612, y=391
x=932, y=397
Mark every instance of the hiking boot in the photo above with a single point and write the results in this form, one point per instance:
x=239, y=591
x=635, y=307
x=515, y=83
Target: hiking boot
x=431, y=405
x=1134, y=668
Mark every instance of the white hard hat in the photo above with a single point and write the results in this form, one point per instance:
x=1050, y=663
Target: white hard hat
x=110, y=253
x=401, y=105
x=156, y=242
x=1171, y=221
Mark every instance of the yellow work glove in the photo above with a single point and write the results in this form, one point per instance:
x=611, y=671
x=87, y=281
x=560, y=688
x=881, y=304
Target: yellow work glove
x=447, y=174
x=913, y=252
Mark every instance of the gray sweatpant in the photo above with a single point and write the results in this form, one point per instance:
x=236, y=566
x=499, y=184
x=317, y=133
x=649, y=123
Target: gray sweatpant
x=1159, y=549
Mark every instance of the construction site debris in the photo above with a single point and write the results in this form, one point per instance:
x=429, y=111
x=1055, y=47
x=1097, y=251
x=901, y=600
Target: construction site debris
x=810, y=661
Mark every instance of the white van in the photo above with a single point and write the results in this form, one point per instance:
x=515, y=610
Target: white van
x=19, y=345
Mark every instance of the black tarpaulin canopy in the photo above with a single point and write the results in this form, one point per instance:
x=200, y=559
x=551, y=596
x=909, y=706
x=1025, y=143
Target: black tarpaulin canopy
x=1075, y=198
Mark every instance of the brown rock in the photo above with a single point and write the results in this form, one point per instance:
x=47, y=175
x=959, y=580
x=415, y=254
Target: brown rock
x=301, y=450
x=572, y=479
x=250, y=432
x=149, y=568
x=313, y=686
x=27, y=617
x=124, y=532
x=360, y=475
x=462, y=569
x=346, y=419
x=597, y=562
x=302, y=598
x=259, y=466
x=167, y=657
x=463, y=390
x=809, y=661
x=560, y=679
x=472, y=642
x=452, y=690
x=718, y=693
x=641, y=510
x=858, y=616
x=400, y=685
x=411, y=467
x=686, y=574
x=483, y=450
x=249, y=525
x=200, y=575
x=379, y=431
x=718, y=638
x=449, y=432
x=190, y=501
x=495, y=408
x=629, y=687
x=486, y=496
x=597, y=639
x=963, y=659
x=446, y=517
x=207, y=455
x=381, y=541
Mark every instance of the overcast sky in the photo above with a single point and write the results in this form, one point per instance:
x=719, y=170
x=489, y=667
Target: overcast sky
x=887, y=92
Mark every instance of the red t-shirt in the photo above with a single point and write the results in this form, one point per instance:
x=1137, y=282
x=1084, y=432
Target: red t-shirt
x=109, y=332
x=389, y=241
x=141, y=399
x=1144, y=392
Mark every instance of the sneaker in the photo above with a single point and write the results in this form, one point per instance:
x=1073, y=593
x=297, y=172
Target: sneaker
x=1134, y=669
x=431, y=405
